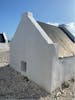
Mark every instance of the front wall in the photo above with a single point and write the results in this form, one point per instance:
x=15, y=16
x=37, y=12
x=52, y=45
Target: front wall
x=28, y=45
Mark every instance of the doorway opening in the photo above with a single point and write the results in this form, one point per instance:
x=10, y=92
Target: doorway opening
x=23, y=66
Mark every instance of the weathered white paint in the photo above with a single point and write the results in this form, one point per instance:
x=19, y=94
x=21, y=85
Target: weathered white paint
x=4, y=46
x=32, y=45
x=68, y=67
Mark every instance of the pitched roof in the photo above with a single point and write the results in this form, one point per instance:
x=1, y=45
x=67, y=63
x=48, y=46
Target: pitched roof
x=66, y=45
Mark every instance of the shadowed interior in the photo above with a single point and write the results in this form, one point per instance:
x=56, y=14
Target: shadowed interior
x=2, y=40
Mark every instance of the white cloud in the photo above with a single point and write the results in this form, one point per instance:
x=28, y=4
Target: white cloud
x=71, y=28
x=71, y=25
x=55, y=24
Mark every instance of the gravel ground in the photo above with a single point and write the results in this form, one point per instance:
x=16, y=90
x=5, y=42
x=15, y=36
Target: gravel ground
x=4, y=58
x=15, y=86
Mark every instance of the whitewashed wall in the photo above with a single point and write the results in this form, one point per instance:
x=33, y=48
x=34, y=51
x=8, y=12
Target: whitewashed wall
x=30, y=44
x=68, y=67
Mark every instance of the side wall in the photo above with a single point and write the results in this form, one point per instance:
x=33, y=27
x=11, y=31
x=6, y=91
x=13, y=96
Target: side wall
x=68, y=67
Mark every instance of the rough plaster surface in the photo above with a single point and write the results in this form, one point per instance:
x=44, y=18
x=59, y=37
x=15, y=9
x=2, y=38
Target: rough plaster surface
x=68, y=67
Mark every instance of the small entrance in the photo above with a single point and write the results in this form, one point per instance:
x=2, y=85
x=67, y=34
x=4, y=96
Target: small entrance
x=23, y=66
x=2, y=39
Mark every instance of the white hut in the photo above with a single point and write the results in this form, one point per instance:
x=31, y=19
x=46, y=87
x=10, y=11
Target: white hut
x=3, y=42
x=36, y=50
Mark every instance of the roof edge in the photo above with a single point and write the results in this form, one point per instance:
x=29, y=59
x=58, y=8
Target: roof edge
x=42, y=32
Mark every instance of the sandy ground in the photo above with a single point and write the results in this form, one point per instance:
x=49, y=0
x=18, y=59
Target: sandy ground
x=15, y=86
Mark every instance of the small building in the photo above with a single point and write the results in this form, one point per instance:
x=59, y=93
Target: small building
x=42, y=52
x=3, y=42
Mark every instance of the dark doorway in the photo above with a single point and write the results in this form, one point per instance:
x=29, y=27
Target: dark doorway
x=23, y=66
x=2, y=40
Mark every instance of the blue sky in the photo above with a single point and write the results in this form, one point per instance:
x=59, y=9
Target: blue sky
x=55, y=11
